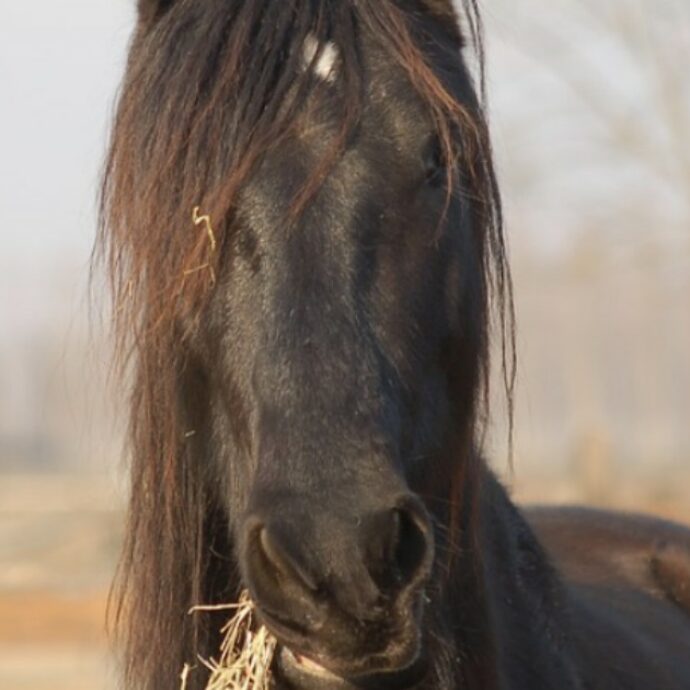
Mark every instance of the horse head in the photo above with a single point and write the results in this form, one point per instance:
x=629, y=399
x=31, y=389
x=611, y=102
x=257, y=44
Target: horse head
x=304, y=233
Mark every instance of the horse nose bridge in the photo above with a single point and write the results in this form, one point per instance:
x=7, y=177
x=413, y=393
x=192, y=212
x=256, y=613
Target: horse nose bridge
x=308, y=372
x=329, y=437
x=318, y=350
x=322, y=384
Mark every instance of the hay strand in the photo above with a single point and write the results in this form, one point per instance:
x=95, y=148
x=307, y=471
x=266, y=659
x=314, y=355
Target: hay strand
x=205, y=220
x=246, y=652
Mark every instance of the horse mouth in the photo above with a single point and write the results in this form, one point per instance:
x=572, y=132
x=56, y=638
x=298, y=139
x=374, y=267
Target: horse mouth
x=328, y=652
x=306, y=673
x=290, y=660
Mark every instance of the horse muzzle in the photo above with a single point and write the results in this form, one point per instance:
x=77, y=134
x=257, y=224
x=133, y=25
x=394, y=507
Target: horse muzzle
x=343, y=593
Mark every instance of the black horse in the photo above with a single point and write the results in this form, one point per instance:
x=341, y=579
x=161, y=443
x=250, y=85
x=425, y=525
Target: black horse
x=303, y=229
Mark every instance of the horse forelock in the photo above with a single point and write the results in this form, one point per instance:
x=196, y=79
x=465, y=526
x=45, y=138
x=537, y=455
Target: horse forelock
x=209, y=88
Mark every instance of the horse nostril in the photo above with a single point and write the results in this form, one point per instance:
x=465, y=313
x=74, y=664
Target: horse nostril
x=284, y=560
x=413, y=552
x=400, y=547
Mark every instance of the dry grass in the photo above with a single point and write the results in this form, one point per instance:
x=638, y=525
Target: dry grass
x=246, y=653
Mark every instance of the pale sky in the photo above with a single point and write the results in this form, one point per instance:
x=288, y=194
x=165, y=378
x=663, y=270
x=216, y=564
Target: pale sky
x=60, y=63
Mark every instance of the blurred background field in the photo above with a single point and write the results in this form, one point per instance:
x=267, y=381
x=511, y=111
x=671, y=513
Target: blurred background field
x=590, y=106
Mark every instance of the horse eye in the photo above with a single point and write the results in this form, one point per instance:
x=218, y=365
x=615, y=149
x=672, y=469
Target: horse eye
x=434, y=165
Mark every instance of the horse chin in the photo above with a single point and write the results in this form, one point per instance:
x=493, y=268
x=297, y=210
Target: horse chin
x=304, y=673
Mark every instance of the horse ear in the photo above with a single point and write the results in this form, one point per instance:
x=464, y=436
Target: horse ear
x=441, y=7
x=151, y=10
x=445, y=11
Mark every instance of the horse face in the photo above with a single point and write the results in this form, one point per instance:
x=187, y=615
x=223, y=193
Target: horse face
x=326, y=347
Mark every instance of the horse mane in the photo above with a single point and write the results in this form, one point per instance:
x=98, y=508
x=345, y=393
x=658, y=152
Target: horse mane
x=209, y=87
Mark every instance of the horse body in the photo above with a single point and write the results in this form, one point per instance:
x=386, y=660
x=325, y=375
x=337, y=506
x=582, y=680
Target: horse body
x=303, y=229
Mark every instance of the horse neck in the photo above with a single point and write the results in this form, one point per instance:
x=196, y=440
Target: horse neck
x=523, y=609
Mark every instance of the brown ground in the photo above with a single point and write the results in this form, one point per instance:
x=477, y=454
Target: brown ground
x=51, y=640
x=43, y=619
x=58, y=545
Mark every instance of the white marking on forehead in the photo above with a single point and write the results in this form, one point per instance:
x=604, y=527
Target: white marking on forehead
x=327, y=60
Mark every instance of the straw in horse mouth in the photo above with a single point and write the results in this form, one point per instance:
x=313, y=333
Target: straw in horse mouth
x=246, y=653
